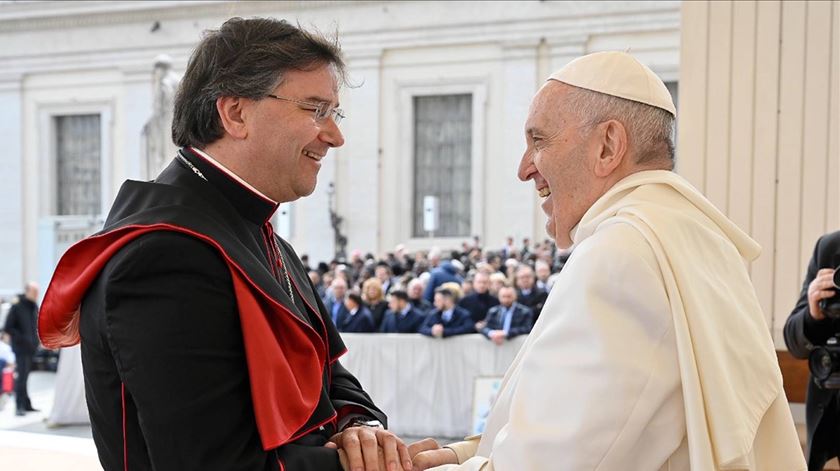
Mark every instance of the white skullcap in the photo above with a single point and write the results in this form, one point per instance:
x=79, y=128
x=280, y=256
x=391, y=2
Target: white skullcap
x=617, y=74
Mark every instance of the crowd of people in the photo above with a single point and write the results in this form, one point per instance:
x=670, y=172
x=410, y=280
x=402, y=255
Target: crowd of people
x=496, y=293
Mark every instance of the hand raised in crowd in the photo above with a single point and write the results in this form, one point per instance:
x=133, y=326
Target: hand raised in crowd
x=427, y=454
x=437, y=330
x=821, y=288
x=370, y=449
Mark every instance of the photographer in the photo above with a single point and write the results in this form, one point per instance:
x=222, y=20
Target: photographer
x=811, y=324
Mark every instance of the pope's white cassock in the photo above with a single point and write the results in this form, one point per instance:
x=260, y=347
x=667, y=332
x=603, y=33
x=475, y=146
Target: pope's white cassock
x=651, y=352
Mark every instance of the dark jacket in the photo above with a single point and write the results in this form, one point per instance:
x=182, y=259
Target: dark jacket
x=478, y=305
x=520, y=324
x=445, y=273
x=535, y=300
x=167, y=372
x=460, y=323
x=802, y=334
x=377, y=312
x=422, y=305
x=335, y=306
x=396, y=323
x=360, y=322
x=22, y=326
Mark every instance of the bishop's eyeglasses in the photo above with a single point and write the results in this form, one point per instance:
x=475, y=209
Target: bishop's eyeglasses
x=321, y=109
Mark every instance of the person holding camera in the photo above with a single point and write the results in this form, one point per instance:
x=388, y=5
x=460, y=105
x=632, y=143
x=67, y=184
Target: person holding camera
x=815, y=323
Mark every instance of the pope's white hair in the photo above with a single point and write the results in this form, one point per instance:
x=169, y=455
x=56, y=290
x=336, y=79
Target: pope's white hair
x=649, y=129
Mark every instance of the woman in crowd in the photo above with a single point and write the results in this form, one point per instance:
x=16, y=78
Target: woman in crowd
x=374, y=298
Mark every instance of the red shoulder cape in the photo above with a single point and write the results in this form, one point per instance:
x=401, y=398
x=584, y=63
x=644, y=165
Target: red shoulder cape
x=286, y=376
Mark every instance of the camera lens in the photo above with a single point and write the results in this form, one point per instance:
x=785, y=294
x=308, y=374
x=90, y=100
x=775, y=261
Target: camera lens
x=820, y=363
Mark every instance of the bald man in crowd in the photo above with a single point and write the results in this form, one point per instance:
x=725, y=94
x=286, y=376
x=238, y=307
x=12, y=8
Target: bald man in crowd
x=652, y=352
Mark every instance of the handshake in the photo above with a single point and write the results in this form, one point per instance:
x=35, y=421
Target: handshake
x=366, y=448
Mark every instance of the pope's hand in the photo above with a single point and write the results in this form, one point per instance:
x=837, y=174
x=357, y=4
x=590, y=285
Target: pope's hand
x=427, y=454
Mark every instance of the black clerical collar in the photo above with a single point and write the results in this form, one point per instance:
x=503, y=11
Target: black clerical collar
x=252, y=204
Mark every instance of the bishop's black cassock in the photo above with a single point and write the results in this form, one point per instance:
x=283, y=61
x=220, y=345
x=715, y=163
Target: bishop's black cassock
x=195, y=355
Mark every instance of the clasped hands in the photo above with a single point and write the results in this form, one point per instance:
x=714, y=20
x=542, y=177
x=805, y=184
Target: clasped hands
x=376, y=449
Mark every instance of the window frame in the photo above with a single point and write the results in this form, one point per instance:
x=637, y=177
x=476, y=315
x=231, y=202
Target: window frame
x=407, y=92
x=48, y=156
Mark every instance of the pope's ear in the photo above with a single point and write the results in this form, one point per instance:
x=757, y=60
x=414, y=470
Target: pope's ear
x=230, y=113
x=612, y=147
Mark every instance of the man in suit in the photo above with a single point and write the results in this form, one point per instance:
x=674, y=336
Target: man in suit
x=447, y=319
x=527, y=293
x=384, y=275
x=22, y=327
x=480, y=300
x=806, y=328
x=356, y=317
x=205, y=346
x=401, y=317
x=543, y=273
x=507, y=320
x=335, y=303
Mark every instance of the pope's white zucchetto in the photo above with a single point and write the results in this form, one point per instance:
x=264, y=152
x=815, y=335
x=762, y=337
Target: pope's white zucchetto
x=618, y=74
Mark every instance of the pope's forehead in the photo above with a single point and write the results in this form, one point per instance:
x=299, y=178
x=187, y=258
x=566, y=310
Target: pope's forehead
x=547, y=105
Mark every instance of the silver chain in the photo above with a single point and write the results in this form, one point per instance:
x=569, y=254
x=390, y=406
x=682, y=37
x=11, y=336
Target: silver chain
x=274, y=239
x=190, y=165
x=284, y=268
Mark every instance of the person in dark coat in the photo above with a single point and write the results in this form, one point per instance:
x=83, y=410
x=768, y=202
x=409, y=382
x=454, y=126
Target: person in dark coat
x=22, y=327
x=374, y=299
x=446, y=272
x=356, y=317
x=480, y=301
x=527, y=292
x=401, y=317
x=806, y=328
x=447, y=319
x=507, y=320
x=204, y=344
x=415, y=296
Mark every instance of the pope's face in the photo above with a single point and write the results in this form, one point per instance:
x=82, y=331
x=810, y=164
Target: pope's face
x=559, y=158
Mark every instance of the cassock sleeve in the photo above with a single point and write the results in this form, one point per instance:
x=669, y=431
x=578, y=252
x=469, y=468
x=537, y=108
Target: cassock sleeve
x=350, y=400
x=348, y=397
x=600, y=366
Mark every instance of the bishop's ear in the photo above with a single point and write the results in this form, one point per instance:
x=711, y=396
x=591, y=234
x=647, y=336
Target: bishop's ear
x=230, y=111
x=613, y=147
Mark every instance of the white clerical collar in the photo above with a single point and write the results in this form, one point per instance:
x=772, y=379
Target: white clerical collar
x=230, y=173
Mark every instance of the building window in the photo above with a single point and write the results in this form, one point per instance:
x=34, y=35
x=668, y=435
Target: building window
x=78, y=159
x=443, y=162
